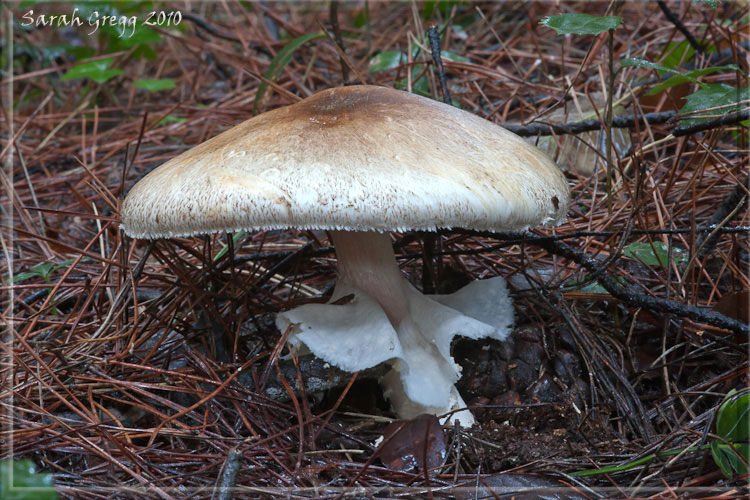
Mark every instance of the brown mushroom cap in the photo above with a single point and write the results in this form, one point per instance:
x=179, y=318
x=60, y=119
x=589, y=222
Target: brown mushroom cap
x=361, y=158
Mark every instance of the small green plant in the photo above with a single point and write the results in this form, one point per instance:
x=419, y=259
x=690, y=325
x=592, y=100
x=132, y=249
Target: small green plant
x=710, y=3
x=99, y=71
x=443, y=6
x=653, y=254
x=679, y=76
x=42, y=270
x=20, y=481
x=710, y=95
x=732, y=451
x=390, y=59
x=581, y=24
x=714, y=95
x=155, y=85
x=132, y=36
x=585, y=285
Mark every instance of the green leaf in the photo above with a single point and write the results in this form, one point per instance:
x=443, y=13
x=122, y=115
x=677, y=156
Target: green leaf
x=629, y=61
x=171, y=119
x=443, y=6
x=361, y=20
x=155, y=85
x=45, y=268
x=673, y=81
x=133, y=7
x=450, y=56
x=711, y=96
x=82, y=52
x=20, y=481
x=386, y=60
x=96, y=70
x=145, y=52
x=390, y=59
x=105, y=75
x=653, y=256
x=53, y=51
x=428, y=8
x=18, y=278
x=418, y=86
x=594, y=286
x=677, y=54
x=733, y=426
x=632, y=61
x=581, y=24
x=710, y=3
x=29, y=3
x=280, y=61
x=121, y=39
x=421, y=86
x=236, y=237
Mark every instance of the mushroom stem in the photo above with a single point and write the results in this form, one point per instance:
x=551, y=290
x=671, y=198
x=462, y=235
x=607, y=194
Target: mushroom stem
x=366, y=261
x=385, y=319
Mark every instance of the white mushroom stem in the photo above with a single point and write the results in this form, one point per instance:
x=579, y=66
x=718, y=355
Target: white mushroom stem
x=387, y=320
x=366, y=261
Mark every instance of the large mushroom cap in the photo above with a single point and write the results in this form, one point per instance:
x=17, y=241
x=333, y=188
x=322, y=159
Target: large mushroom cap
x=357, y=158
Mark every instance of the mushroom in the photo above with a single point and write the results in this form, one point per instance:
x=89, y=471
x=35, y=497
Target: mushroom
x=360, y=162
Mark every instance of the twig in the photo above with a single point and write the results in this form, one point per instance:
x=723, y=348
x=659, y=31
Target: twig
x=732, y=203
x=609, y=115
x=434, y=36
x=729, y=119
x=634, y=299
x=228, y=478
x=671, y=17
x=516, y=237
x=623, y=121
x=360, y=76
x=333, y=14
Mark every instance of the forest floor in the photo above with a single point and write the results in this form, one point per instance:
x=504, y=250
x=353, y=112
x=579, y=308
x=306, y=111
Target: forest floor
x=122, y=372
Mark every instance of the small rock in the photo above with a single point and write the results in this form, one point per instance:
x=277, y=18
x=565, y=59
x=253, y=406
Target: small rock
x=508, y=398
x=566, y=366
x=529, y=333
x=521, y=375
x=545, y=390
x=531, y=353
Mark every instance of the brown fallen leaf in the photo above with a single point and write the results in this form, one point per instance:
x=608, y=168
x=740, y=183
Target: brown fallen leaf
x=413, y=444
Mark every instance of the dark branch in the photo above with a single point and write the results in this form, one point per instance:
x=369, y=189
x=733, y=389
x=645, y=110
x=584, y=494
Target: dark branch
x=678, y=24
x=333, y=14
x=434, y=36
x=729, y=119
x=624, y=121
x=634, y=299
x=734, y=202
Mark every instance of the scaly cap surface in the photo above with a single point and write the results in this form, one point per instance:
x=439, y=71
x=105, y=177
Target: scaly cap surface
x=360, y=158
